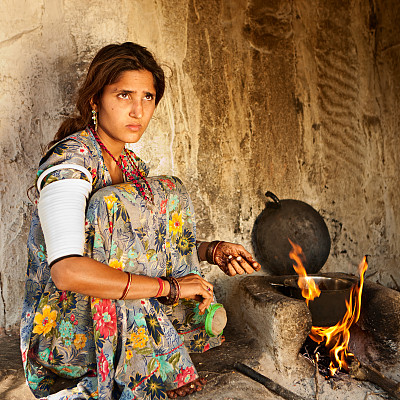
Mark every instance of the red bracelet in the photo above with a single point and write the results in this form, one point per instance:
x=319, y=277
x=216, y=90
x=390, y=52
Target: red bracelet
x=161, y=288
x=127, y=287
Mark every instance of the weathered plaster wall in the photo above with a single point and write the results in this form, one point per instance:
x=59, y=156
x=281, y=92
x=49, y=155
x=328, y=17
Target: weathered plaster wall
x=348, y=76
x=299, y=97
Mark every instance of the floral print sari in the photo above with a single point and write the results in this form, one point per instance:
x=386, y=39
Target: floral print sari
x=79, y=347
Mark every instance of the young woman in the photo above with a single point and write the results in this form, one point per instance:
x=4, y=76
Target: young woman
x=114, y=298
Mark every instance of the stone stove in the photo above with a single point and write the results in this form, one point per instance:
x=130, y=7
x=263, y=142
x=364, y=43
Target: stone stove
x=281, y=325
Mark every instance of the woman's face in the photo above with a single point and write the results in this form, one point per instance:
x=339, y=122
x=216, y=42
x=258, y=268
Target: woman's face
x=125, y=108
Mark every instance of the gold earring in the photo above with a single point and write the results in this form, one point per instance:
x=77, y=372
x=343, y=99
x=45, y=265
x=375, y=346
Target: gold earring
x=94, y=118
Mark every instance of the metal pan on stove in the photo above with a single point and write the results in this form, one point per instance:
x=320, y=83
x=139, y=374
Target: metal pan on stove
x=330, y=307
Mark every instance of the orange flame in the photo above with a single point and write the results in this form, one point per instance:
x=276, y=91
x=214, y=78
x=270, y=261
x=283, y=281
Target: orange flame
x=309, y=289
x=337, y=337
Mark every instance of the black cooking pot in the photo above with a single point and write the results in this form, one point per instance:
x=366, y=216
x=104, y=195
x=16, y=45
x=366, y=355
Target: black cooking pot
x=295, y=220
x=330, y=307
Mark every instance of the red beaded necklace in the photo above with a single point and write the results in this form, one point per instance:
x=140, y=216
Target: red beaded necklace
x=131, y=177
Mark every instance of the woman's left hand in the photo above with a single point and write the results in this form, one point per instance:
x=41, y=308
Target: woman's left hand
x=234, y=259
x=195, y=287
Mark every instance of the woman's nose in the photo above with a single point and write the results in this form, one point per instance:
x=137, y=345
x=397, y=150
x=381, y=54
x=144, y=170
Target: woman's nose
x=136, y=110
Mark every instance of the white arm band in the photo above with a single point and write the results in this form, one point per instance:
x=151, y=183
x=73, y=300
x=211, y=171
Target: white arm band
x=61, y=210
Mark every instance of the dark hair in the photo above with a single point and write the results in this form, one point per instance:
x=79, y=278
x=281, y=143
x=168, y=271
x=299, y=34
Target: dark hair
x=106, y=68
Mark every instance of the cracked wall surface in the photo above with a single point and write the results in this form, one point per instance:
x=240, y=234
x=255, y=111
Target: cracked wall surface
x=298, y=97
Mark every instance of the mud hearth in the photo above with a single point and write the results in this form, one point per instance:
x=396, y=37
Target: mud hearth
x=281, y=325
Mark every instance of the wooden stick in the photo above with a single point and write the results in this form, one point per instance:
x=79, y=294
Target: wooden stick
x=316, y=376
x=268, y=383
x=368, y=373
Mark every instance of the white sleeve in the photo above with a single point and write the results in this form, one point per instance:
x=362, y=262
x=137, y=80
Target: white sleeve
x=61, y=208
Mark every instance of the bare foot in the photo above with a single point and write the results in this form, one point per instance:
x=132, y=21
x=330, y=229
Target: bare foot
x=189, y=388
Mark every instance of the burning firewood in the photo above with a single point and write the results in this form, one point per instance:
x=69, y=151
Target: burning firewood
x=336, y=338
x=368, y=373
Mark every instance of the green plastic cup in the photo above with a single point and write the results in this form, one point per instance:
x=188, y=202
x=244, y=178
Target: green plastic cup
x=215, y=320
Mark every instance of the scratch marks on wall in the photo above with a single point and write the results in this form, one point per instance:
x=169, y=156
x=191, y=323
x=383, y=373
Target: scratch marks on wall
x=3, y=303
x=13, y=39
x=338, y=94
x=207, y=35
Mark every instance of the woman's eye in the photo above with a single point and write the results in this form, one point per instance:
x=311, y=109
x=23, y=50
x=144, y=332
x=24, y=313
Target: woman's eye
x=149, y=96
x=123, y=96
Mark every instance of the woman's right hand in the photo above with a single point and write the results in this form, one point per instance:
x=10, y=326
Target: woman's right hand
x=195, y=287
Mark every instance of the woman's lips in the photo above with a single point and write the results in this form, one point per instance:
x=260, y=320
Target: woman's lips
x=134, y=127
